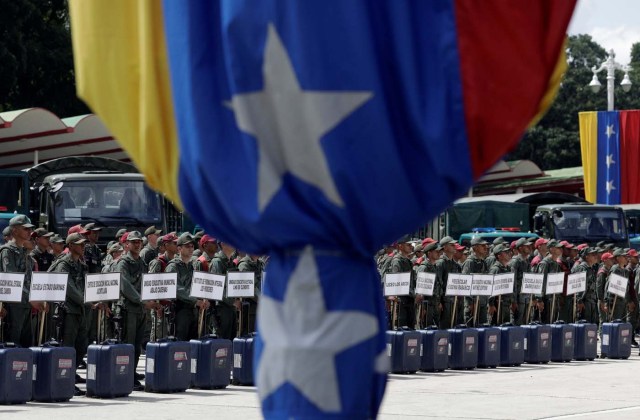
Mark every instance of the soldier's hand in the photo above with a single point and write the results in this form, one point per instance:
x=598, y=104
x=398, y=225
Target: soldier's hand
x=605, y=308
x=580, y=307
x=471, y=308
x=540, y=306
x=514, y=307
x=419, y=298
x=391, y=298
x=492, y=310
x=439, y=307
x=237, y=304
x=38, y=306
x=3, y=313
x=631, y=306
x=151, y=305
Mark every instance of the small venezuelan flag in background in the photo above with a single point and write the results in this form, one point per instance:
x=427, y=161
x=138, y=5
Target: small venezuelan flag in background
x=610, y=146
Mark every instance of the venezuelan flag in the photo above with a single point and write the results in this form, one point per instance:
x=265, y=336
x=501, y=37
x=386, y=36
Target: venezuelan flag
x=610, y=147
x=316, y=131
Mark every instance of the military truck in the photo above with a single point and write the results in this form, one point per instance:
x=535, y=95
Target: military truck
x=78, y=190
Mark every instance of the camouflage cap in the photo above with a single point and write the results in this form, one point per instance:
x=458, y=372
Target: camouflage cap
x=92, y=227
x=478, y=240
x=6, y=231
x=57, y=239
x=185, y=238
x=555, y=244
x=76, y=239
x=447, y=240
x=120, y=233
x=21, y=220
x=433, y=246
x=500, y=248
x=499, y=240
x=522, y=242
x=199, y=234
x=134, y=236
x=619, y=252
x=151, y=230
x=418, y=248
x=404, y=239
x=116, y=247
x=42, y=233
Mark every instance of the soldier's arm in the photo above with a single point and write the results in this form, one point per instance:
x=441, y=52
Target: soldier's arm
x=154, y=266
x=74, y=294
x=600, y=282
x=493, y=301
x=126, y=287
x=182, y=294
x=216, y=267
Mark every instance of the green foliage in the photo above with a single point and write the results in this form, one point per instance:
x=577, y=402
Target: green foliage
x=36, y=56
x=555, y=141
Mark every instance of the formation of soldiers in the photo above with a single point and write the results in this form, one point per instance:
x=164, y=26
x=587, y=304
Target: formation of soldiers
x=75, y=324
x=594, y=305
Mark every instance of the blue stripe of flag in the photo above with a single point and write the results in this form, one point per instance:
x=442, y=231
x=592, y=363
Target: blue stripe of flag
x=608, y=186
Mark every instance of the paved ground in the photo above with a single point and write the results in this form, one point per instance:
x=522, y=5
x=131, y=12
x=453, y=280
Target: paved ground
x=584, y=390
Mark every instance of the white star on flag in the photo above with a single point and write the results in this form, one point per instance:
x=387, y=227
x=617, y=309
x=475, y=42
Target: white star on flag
x=289, y=122
x=610, y=187
x=610, y=161
x=301, y=338
x=610, y=130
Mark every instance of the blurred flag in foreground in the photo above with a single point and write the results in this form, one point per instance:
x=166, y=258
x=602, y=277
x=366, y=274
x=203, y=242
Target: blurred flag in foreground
x=316, y=131
x=610, y=145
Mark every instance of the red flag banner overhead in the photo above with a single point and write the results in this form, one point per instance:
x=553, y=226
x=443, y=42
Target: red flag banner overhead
x=630, y=156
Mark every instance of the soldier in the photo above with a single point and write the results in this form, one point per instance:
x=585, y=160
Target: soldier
x=108, y=259
x=503, y=307
x=131, y=268
x=548, y=265
x=74, y=332
x=115, y=250
x=542, y=249
x=251, y=263
x=565, y=303
x=150, y=250
x=57, y=246
x=632, y=268
x=225, y=310
x=186, y=315
x=491, y=258
x=625, y=306
x=197, y=237
x=587, y=307
x=601, y=291
x=209, y=247
x=405, y=305
x=14, y=259
x=444, y=266
x=433, y=304
x=6, y=234
x=460, y=255
x=418, y=253
x=41, y=253
x=159, y=264
x=93, y=259
x=475, y=264
x=519, y=265
x=384, y=261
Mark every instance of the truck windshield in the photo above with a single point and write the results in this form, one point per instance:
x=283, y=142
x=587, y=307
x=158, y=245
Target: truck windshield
x=11, y=194
x=106, y=201
x=590, y=225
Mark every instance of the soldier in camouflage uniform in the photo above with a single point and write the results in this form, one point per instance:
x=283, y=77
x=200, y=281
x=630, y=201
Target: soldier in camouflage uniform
x=444, y=266
x=150, y=250
x=475, y=264
x=93, y=259
x=623, y=306
x=209, y=247
x=405, y=305
x=491, y=258
x=115, y=250
x=225, y=310
x=57, y=246
x=132, y=268
x=548, y=265
x=41, y=253
x=519, y=265
x=502, y=308
x=587, y=306
x=632, y=268
x=601, y=289
x=433, y=304
x=253, y=264
x=15, y=259
x=186, y=306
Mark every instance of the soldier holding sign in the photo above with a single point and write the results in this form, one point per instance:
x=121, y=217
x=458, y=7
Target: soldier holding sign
x=433, y=304
x=476, y=264
x=508, y=305
x=252, y=263
x=225, y=310
x=587, y=308
x=626, y=304
x=186, y=314
x=519, y=265
x=601, y=281
x=15, y=259
x=444, y=266
x=548, y=265
x=132, y=268
x=401, y=263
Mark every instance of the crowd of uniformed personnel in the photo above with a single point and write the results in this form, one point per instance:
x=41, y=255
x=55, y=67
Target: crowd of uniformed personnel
x=75, y=324
x=525, y=255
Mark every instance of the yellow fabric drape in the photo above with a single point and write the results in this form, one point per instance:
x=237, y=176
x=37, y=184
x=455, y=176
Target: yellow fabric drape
x=122, y=73
x=589, y=150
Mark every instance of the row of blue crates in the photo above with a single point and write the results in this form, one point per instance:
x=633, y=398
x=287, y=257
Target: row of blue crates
x=433, y=350
x=47, y=373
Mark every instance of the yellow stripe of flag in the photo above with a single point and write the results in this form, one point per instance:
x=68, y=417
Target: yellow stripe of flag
x=589, y=150
x=122, y=73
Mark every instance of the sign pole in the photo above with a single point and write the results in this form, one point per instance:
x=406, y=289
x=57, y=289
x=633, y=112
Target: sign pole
x=613, y=308
x=42, y=318
x=1, y=327
x=419, y=323
x=575, y=308
x=200, y=322
x=553, y=307
x=475, y=311
x=453, y=313
x=529, y=308
x=499, y=314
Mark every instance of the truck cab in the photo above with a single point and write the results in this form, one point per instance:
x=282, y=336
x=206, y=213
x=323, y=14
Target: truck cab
x=582, y=223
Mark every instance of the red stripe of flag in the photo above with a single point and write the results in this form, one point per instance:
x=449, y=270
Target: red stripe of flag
x=630, y=156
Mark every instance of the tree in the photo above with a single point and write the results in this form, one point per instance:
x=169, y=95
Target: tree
x=555, y=141
x=37, y=58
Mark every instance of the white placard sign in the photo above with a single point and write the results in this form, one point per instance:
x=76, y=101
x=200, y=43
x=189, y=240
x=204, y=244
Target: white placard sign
x=102, y=287
x=459, y=284
x=576, y=283
x=48, y=287
x=617, y=285
x=11, y=287
x=532, y=283
x=241, y=284
x=555, y=283
x=397, y=284
x=157, y=286
x=424, y=283
x=207, y=285
x=482, y=285
x=503, y=284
